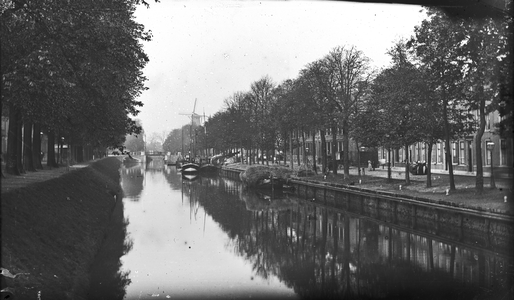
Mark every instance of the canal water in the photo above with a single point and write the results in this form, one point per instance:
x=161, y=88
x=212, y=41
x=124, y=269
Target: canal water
x=208, y=238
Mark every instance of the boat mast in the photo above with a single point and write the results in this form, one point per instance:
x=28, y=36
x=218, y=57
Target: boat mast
x=191, y=141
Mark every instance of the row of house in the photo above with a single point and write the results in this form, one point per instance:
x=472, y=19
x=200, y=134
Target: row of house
x=496, y=151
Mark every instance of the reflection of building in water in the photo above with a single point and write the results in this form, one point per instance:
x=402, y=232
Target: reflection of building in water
x=132, y=181
x=232, y=187
x=375, y=244
x=327, y=251
x=157, y=164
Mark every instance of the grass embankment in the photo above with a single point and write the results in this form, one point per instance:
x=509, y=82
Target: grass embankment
x=465, y=194
x=52, y=230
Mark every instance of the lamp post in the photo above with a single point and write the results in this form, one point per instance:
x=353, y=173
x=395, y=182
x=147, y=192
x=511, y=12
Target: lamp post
x=490, y=146
x=363, y=169
x=388, y=158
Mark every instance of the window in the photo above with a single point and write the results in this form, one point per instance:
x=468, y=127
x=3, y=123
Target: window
x=439, y=155
x=462, y=156
x=455, y=158
x=503, y=152
x=488, y=154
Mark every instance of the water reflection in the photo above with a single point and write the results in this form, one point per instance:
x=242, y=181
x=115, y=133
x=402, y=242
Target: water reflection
x=172, y=175
x=107, y=280
x=320, y=251
x=180, y=252
x=210, y=238
x=132, y=178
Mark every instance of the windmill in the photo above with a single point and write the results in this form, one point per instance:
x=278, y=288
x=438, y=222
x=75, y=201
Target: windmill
x=195, y=118
x=195, y=121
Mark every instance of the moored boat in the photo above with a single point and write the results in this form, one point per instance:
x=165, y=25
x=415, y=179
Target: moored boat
x=190, y=168
x=208, y=169
x=190, y=177
x=266, y=177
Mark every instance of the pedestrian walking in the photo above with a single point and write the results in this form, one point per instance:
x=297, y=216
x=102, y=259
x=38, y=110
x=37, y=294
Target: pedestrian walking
x=370, y=166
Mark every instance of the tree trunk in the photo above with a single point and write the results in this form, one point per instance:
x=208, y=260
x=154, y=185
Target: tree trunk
x=51, y=150
x=429, y=165
x=479, y=181
x=28, y=162
x=36, y=146
x=323, y=151
x=407, y=171
x=11, y=166
x=346, y=150
x=80, y=154
x=19, y=146
x=304, y=155
x=298, y=162
x=334, y=149
x=358, y=158
x=314, y=165
x=389, y=165
x=60, y=145
x=291, y=149
x=447, y=144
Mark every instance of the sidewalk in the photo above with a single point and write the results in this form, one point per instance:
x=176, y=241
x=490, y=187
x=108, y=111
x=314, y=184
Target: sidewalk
x=463, y=177
x=11, y=182
x=486, y=174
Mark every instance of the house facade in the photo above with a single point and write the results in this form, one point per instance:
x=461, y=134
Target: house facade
x=496, y=152
x=356, y=156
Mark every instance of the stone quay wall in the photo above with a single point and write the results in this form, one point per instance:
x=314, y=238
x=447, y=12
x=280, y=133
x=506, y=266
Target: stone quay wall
x=437, y=218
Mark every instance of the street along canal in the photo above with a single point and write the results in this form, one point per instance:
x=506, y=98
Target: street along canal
x=210, y=238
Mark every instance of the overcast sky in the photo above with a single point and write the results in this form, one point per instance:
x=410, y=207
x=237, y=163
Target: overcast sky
x=209, y=50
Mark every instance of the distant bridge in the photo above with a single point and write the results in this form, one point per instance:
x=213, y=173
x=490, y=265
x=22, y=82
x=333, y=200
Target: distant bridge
x=155, y=153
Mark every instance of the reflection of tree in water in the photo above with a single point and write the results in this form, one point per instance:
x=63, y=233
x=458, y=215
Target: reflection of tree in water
x=132, y=179
x=325, y=253
x=173, y=177
x=107, y=281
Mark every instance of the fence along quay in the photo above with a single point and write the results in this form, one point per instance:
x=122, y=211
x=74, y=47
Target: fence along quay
x=490, y=231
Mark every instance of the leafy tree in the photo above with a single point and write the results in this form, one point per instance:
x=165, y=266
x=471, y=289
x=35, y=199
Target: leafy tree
x=134, y=143
x=72, y=70
x=436, y=44
x=484, y=47
x=348, y=69
x=262, y=101
x=283, y=115
x=173, y=142
x=401, y=95
x=318, y=111
x=239, y=109
x=506, y=79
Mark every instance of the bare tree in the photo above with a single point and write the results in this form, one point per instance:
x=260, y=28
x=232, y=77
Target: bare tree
x=348, y=71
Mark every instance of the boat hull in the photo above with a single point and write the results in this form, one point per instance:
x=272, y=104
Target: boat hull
x=189, y=177
x=208, y=169
x=190, y=168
